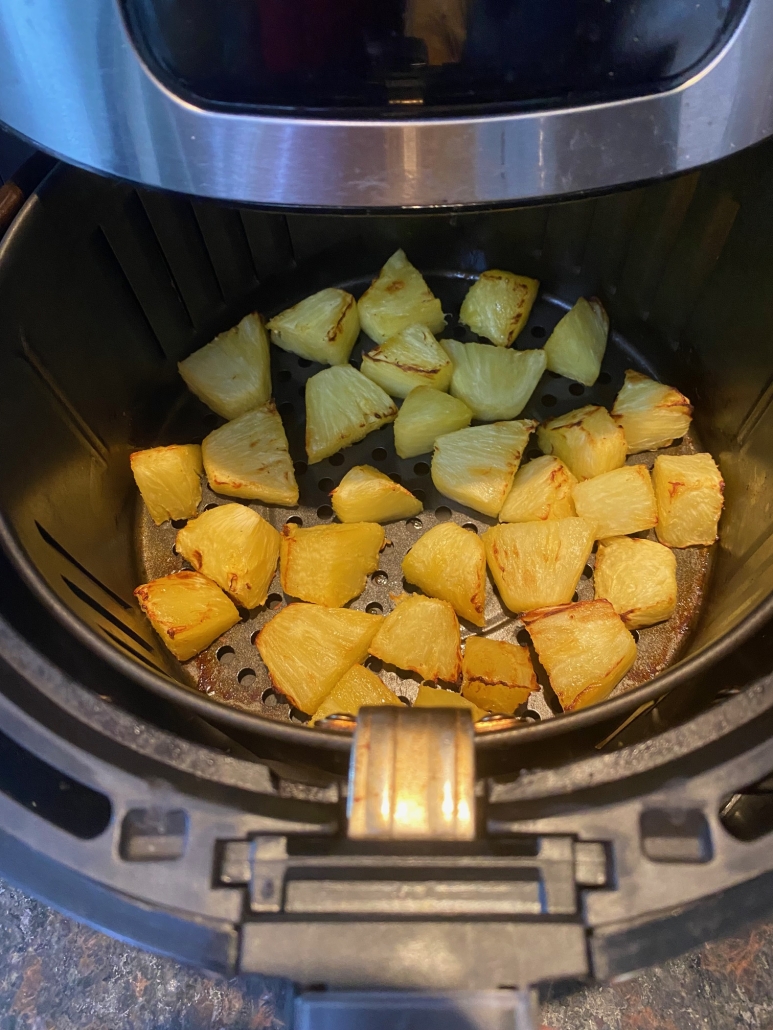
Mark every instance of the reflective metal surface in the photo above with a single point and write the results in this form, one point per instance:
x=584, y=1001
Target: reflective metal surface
x=412, y=775
x=71, y=80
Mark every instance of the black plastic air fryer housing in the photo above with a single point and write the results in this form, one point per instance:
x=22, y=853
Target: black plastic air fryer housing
x=614, y=849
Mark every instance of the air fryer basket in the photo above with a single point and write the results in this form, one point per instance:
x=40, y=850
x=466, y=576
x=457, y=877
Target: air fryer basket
x=106, y=287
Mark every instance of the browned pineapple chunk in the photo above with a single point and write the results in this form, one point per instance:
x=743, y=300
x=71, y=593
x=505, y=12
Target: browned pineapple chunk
x=398, y=297
x=436, y=697
x=587, y=440
x=585, y=649
x=638, y=578
x=421, y=634
x=329, y=564
x=367, y=495
x=356, y=688
x=187, y=610
x=651, y=415
x=541, y=490
x=235, y=547
x=249, y=458
x=536, y=564
x=450, y=563
x=168, y=480
x=342, y=407
x=497, y=306
x=496, y=675
x=689, y=489
x=410, y=358
x=323, y=327
x=308, y=648
x=619, y=502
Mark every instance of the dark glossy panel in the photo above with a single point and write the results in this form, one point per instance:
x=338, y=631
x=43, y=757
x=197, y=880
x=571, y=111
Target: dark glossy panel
x=411, y=55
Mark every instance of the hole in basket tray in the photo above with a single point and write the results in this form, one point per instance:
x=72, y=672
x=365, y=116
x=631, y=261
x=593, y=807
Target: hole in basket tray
x=379, y=454
x=604, y=378
x=380, y=577
x=421, y=468
x=538, y=331
x=283, y=375
x=274, y=601
x=324, y=511
x=576, y=389
x=300, y=468
x=549, y=400
x=271, y=698
x=326, y=485
x=336, y=459
x=471, y=526
x=179, y=523
x=523, y=638
x=225, y=654
x=374, y=608
x=246, y=677
x=442, y=514
x=294, y=520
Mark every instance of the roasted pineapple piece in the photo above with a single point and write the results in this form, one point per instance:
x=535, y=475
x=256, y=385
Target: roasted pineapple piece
x=249, y=458
x=436, y=697
x=586, y=439
x=425, y=415
x=476, y=466
x=585, y=649
x=367, y=495
x=650, y=414
x=329, y=564
x=619, y=502
x=342, y=407
x=497, y=306
x=235, y=547
x=638, y=578
x=323, y=327
x=576, y=346
x=168, y=480
x=308, y=648
x=187, y=610
x=495, y=384
x=410, y=358
x=541, y=490
x=496, y=675
x=232, y=374
x=421, y=634
x=536, y=564
x=399, y=297
x=689, y=491
x=356, y=688
x=450, y=563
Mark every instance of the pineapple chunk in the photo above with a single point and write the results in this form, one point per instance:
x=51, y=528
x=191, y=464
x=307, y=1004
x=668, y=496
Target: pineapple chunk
x=689, y=491
x=187, y=610
x=541, y=490
x=235, y=547
x=497, y=306
x=638, y=578
x=399, y=297
x=436, y=697
x=536, y=564
x=576, y=346
x=307, y=649
x=421, y=634
x=585, y=649
x=425, y=415
x=496, y=675
x=249, y=458
x=410, y=358
x=323, y=327
x=367, y=495
x=650, y=414
x=586, y=439
x=342, y=407
x=168, y=480
x=329, y=564
x=356, y=688
x=476, y=466
x=232, y=374
x=450, y=563
x=619, y=502
x=495, y=383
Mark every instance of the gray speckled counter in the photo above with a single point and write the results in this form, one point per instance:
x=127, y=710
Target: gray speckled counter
x=58, y=975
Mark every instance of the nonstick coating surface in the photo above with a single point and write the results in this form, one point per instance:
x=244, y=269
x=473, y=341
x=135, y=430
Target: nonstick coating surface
x=231, y=669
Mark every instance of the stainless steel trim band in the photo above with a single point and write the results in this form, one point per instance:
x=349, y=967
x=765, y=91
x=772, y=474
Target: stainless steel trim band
x=72, y=81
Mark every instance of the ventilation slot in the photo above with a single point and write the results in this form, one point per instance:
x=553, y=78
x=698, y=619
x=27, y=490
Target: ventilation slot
x=81, y=568
x=130, y=650
x=101, y=610
x=748, y=815
x=52, y=795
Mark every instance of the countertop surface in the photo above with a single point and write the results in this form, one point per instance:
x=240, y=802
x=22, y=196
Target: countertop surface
x=55, y=973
